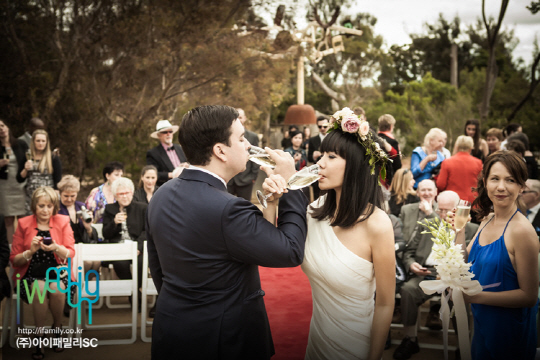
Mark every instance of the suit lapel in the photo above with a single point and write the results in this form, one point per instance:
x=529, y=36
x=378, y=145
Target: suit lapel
x=165, y=158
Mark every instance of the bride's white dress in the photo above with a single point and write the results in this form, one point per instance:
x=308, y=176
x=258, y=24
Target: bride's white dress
x=343, y=287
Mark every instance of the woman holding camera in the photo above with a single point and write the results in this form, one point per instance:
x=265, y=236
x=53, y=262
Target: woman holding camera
x=80, y=218
x=43, y=240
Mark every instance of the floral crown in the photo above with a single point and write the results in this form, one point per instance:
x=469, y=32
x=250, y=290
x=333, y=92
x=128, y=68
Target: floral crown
x=347, y=121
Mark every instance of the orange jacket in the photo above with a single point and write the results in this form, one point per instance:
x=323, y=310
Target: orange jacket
x=61, y=233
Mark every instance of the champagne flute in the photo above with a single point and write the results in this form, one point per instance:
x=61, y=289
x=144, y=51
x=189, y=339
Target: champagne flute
x=299, y=180
x=260, y=157
x=462, y=214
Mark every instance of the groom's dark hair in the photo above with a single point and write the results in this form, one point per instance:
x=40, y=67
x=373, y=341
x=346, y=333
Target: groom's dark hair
x=203, y=127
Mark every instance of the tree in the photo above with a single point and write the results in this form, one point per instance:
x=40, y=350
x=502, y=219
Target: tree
x=492, y=68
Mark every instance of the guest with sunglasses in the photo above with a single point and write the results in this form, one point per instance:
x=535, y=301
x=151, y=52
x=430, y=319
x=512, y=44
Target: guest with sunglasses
x=314, y=144
x=168, y=158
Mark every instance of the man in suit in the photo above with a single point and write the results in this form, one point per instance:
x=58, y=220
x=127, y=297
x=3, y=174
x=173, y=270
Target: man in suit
x=417, y=260
x=205, y=246
x=168, y=158
x=242, y=184
x=314, y=144
x=531, y=198
x=386, y=132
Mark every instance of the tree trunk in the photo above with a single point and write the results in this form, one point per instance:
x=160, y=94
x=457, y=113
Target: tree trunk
x=334, y=95
x=532, y=87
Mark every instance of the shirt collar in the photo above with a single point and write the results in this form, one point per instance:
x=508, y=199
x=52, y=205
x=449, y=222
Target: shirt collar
x=533, y=212
x=209, y=172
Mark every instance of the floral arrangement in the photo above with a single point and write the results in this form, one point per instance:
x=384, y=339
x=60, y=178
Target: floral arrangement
x=347, y=121
x=454, y=275
x=452, y=268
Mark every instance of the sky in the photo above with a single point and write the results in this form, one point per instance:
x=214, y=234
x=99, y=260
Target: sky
x=396, y=19
x=399, y=18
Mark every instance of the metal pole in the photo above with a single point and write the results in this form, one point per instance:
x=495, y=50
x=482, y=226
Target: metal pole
x=300, y=81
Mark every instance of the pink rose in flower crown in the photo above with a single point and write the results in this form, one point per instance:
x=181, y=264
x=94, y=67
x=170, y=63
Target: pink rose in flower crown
x=350, y=124
x=364, y=128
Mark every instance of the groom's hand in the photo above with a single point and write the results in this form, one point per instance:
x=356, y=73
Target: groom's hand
x=284, y=164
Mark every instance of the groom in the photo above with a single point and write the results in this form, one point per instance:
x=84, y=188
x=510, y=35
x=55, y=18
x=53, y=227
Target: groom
x=205, y=245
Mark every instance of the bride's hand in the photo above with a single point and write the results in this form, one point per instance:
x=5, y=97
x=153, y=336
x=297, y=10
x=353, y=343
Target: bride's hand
x=275, y=185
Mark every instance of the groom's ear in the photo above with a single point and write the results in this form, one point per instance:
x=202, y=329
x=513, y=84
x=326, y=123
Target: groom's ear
x=219, y=151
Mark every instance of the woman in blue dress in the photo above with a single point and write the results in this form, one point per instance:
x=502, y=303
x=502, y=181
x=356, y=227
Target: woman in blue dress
x=504, y=259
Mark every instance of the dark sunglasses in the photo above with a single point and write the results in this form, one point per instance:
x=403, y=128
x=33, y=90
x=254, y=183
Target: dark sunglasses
x=323, y=126
x=166, y=132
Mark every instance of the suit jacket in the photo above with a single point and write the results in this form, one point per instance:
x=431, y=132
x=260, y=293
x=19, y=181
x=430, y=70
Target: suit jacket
x=247, y=176
x=61, y=233
x=460, y=174
x=5, y=288
x=159, y=158
x=204, y=257
x=314, y=145
x=410, y=215
x=135, y=222
x=395, y=165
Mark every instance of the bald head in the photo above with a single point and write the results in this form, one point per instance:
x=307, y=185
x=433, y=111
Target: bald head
x=36, y=124
x=531, y=193
x=446, y=201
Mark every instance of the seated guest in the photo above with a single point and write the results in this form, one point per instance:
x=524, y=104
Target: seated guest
x=102, y=195
x=460, y=172
x=531, y=198
x=123, y=220
x=425, y=159
x=83, y=231
x=418, y=262
x=147, y=184
x=41, y=241
x=494, y=137
x=401, y=191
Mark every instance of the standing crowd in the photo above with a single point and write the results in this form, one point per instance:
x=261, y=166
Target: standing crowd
x=344, y=240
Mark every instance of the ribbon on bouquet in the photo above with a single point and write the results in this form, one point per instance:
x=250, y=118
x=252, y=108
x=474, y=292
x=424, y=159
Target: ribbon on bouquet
x=457, y=288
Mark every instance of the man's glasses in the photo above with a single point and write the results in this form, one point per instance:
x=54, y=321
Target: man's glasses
x=166, y=132
x=529, y=191
x=323, y=126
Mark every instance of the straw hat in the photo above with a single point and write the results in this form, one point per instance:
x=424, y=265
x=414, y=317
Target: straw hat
x=164, y=125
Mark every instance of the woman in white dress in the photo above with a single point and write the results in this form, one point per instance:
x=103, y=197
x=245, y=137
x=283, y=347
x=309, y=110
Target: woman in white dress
x=349, y=253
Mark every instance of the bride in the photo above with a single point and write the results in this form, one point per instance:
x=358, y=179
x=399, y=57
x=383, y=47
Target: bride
x=349, y=253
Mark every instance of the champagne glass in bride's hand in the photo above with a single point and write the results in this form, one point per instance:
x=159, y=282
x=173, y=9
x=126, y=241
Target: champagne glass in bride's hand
x=462, y=214
x=299, y=180
x=260, y=157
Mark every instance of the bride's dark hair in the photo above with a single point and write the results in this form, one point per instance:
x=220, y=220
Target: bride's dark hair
x=360, y=192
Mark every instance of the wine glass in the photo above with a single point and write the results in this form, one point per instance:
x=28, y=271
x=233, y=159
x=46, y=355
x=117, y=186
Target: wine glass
x=462, y=214
x=299, y=180
x=260, y=157
x=124, y=230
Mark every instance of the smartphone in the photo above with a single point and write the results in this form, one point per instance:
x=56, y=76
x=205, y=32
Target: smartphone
x=47, y=240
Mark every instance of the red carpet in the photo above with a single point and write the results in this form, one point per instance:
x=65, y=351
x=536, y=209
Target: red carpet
x=288, y=303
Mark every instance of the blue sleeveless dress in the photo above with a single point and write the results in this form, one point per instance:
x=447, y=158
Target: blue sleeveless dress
x=500, y=332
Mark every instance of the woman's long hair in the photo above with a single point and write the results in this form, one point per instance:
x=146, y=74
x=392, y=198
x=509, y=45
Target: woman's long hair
x=360, y=192
x=46, y=160
x=515, y=165
x=400, y=185
x=476, y=136
x=144, y=171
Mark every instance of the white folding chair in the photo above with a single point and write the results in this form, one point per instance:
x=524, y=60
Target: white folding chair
x=148, y=288
x=111, y=252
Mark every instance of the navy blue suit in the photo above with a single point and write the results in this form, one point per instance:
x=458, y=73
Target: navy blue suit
x=204, y=248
